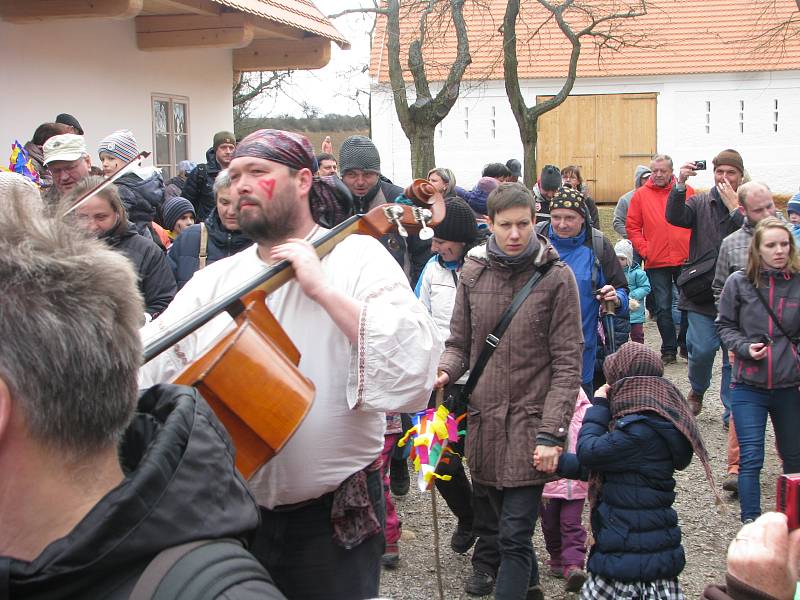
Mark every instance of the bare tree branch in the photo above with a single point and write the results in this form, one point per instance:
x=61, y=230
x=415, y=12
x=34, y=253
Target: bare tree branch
x=249, y=87
x=354, y=11
x=598, y=26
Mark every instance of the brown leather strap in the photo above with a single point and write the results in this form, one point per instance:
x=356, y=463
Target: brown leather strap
x=203, y=254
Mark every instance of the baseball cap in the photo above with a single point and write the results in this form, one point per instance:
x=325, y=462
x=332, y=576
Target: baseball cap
x=67, y=146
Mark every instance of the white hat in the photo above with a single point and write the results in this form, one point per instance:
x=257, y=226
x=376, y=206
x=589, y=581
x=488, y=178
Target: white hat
x=67, y=146
x=624, y=248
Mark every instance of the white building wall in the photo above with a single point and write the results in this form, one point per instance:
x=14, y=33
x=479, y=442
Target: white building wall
x=93, y=70
x=464, y=140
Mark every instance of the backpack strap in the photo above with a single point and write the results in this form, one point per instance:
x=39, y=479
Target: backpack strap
x=201, y=570
x=202, y=255
x=597, y=250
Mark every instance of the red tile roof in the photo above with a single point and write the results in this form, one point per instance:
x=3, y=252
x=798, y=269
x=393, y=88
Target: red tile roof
x=300, y=14
x=677, y=36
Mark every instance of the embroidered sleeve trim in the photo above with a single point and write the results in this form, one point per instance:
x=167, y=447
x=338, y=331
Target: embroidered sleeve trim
x=362, y=340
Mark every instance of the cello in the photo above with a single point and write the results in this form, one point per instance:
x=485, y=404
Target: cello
x=249, y=375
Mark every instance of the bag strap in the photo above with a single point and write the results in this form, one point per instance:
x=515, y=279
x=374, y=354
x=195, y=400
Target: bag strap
x=158, y=568
x=201, y=570
x=493, y=339
x=597, y=250
x=772, y=314
x=202, y=256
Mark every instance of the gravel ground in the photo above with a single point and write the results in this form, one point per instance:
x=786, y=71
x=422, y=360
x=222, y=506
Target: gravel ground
x=706, y=532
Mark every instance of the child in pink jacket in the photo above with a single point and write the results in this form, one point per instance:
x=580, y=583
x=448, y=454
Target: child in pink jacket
x=561, y=513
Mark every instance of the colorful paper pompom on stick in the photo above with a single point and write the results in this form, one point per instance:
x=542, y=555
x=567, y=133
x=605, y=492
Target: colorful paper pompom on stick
x=20, y=162
x=432, y=430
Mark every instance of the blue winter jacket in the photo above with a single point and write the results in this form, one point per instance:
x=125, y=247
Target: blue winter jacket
x=639, y=286
x=636, y=531
x=579, y=256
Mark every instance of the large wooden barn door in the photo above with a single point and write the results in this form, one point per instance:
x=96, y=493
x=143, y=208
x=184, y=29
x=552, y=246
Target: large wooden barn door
x=606, y=135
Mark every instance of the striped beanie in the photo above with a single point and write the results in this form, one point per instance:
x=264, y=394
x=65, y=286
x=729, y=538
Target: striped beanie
x=174, y=208
x=120, y=144
x=359, y=152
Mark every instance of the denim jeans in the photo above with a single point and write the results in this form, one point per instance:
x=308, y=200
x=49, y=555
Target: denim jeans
x=661, y=282
x=505, y=520
x=702, y=342
x=750, y=406
x=297, y=548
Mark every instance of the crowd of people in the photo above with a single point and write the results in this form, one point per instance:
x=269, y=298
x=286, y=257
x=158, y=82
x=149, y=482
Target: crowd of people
x=520, y=309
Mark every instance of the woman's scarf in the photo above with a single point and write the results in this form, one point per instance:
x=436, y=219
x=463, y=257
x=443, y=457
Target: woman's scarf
x=512, y=262
x=635, y=374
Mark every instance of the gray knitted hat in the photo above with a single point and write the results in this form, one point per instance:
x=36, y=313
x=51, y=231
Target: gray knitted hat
x=358, y=152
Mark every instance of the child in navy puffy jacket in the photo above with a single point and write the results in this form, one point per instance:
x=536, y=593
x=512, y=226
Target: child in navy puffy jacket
x=637, y=433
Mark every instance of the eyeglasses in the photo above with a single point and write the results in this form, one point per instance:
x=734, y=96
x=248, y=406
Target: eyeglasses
x=70, y=168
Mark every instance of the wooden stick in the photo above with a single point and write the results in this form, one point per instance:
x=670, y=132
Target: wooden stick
x=438, y=563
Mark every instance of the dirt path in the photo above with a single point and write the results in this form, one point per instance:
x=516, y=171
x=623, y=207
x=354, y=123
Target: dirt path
x=706, y=532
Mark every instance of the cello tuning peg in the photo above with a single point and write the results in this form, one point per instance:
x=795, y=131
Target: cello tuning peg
x=394, y=213
x=422, y=216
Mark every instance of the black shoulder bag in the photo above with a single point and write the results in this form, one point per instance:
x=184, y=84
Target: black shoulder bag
x=458, y=404
x=696, y=277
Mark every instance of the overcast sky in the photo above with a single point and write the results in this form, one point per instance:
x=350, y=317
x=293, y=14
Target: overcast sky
x=327, y=89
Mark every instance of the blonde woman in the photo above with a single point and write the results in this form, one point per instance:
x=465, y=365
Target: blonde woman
x=759, y=322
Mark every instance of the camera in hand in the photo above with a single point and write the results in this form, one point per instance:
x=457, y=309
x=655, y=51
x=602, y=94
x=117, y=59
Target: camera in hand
x=788, y=498
x=699, y=165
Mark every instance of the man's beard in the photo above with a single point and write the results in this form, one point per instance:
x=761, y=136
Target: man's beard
x=270, y=229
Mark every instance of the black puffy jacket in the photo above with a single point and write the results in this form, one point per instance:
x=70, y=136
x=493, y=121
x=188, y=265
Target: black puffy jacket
x=156, y=281
x=180, y=485
x=199, y=187
x=183, y=255
x=142, y=199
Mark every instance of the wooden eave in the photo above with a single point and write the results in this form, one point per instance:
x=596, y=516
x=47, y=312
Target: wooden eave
x=299, y=37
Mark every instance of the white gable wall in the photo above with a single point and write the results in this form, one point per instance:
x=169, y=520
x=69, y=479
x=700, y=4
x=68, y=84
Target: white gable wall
x=464, y=140
x=93, y=70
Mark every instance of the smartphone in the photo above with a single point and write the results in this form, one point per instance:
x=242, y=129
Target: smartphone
x=764, y=339
x=787, y=498
x=699, y=165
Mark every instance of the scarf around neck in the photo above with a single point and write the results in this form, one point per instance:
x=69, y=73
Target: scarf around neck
x=512, y=262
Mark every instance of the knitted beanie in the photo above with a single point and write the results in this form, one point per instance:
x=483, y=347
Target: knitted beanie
x=174, y=208
x=624, y=248
x=568, y=197
x=223, y=137
x=358, y=152
x=459, y=223
x=730, y=158
x=551, y=178
x=793, y=205
x=120, y=144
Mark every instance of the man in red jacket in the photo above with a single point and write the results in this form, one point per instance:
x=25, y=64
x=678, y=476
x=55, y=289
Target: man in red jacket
x=663, y=247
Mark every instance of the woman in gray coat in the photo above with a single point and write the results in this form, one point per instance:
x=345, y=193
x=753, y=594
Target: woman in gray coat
x=759, y=322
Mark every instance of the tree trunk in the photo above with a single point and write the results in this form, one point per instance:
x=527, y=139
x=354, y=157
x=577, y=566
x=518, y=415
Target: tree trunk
x=529, y=138
x=423, y=158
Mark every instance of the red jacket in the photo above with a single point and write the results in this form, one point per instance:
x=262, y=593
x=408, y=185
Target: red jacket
x=658, y=242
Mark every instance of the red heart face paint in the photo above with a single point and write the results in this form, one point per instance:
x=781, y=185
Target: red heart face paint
x=268, y=186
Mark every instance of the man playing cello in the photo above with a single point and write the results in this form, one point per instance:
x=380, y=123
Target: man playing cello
x=366, y=343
